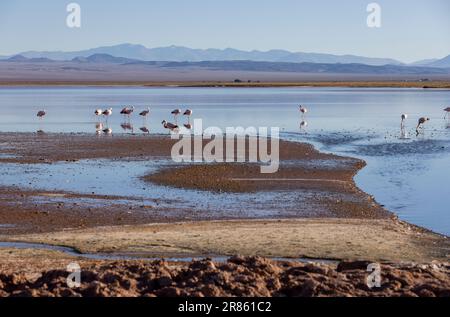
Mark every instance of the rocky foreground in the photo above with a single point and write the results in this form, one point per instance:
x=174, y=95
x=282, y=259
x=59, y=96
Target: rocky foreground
x=239, y=276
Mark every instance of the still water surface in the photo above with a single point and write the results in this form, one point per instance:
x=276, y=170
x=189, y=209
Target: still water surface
x=410, y=176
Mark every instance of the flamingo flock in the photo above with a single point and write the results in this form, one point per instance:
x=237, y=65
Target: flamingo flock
x=419, y=128
x=127, y=112
x=174, y=127
x=106, y=113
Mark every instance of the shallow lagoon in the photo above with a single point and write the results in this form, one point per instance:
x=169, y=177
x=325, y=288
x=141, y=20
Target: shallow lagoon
x=409, y=176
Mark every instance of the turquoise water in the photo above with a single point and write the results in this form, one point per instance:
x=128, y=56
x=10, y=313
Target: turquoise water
x=410, y=176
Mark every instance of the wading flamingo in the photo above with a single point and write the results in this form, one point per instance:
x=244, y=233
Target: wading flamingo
x=107, y=113
x=188, y=113
x=41, y=114
x=127, y=111
x=447, y=111
x=145, y=113
x=169, y=126
x=404, y=117
x=303, y=110
x=176, y=113
x=422, y=121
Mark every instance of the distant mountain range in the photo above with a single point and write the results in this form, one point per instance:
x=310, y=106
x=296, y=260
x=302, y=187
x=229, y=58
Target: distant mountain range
x=103, y=60
x=184, y=54
x=352, y=68
x=444, y=63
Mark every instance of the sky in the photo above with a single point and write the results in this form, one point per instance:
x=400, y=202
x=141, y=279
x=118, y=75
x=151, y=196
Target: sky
x=410, y=30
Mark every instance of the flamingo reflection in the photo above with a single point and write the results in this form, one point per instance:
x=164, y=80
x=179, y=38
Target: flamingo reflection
x=127, y=126
x=144, y=129
x=303, y=126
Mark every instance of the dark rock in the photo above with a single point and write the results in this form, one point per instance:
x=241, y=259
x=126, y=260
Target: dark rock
x=350, y=266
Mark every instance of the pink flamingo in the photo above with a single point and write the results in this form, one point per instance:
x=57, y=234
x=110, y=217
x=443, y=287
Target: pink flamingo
x=176, y=113
x=127, y=111
x=303, y=110
x=404, y=117
x=422, y=121
x=447, y=111
x=145, y=113
x=107, y=113
x=169, y=126
x=41, y=114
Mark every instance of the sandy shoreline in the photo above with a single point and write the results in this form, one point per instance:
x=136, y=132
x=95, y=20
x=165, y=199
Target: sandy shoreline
x=343, y=223
x=432, y=84
x=380, y=240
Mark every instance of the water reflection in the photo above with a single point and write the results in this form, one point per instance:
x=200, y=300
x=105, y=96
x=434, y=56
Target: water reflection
x=98, y=128
x=127, y=126
x=144, y=129
x=108, y=131
x=303, y=126
x=404, y=135
x=356, y=120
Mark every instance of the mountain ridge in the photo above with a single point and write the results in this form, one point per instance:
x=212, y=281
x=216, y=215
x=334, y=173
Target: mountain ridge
x=175, y=53
x=182, y=54
x=236, y=65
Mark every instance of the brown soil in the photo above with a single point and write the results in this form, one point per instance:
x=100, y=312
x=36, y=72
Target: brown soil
x=30, y=148
x=226, y=177
x=239, y=276
x=28, y=211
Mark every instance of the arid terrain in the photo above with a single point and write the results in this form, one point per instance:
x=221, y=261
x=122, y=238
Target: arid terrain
x=334, y=222
x=238, y=276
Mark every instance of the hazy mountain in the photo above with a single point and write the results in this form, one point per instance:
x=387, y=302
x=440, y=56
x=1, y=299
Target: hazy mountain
x=106, y=60
x=101, y=68
x=337, y=59
x=180, y=54
x=444, y=62
x=96, y=58
x=17, y=58
x=103, y=59
x=353, y=68
x=424, y=62
x=21, y=58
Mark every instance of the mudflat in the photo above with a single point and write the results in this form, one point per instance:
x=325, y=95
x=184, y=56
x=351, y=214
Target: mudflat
x=324, y=181
x=334, y=220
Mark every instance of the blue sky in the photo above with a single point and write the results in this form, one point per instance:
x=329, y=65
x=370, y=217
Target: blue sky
x=411, y=30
